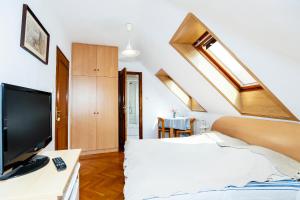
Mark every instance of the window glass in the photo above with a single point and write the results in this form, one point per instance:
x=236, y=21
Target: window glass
x=178, y=92
x=230, y=64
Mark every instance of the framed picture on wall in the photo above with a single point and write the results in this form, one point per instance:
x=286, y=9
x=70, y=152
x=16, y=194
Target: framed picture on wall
x=34, y=37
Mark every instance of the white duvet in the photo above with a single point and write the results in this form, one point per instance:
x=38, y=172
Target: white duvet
x=161, y=168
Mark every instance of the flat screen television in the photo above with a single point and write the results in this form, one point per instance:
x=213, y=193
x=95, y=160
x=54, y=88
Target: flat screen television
x=25, y=129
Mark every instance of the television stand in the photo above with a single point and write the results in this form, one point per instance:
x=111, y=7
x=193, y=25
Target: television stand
x=46, y=183
x=31, y=165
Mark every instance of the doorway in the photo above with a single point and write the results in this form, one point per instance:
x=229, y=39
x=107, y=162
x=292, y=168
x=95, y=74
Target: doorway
x=130, y=106
x=62, y=97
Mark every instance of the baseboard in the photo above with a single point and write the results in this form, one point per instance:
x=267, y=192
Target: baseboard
x=83, y=153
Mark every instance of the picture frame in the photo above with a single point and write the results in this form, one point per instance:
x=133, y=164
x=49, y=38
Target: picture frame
x=34, y=37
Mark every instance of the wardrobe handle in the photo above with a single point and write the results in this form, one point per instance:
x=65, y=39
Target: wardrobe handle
x=95, y=69
x=95, y=113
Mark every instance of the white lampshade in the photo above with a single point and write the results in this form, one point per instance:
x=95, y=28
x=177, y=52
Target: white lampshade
x=129, y=51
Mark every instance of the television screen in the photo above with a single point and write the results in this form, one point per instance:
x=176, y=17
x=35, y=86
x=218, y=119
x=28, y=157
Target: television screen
x=26, y=123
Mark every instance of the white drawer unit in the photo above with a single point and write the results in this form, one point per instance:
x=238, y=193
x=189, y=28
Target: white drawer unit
x=72, y=192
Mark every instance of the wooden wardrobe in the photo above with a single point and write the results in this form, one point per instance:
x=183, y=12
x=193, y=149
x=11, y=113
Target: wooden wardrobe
x=94, y=110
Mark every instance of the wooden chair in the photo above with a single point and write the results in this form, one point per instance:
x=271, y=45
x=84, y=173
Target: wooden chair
x=189, y=131
x=162, y=130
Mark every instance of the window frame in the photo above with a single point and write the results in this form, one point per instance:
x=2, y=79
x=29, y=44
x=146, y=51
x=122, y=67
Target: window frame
x=201, y=44
x=192, y=104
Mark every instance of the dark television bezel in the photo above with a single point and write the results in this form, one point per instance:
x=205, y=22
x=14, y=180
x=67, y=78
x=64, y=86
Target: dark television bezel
x=32, y=151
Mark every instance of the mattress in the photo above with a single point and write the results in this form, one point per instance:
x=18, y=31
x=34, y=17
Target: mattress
x=274, y=190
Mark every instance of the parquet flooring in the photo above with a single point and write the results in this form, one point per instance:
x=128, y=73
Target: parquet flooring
x=101, y=177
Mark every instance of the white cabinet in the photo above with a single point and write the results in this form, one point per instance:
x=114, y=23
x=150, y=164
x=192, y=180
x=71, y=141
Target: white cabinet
x=72, y=192
x=46, y=183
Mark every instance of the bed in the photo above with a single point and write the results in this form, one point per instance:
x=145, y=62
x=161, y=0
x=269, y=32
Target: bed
x=240, y=159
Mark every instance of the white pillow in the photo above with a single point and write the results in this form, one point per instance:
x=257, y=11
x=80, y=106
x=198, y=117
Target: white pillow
x=284, y=164
x=226, y=141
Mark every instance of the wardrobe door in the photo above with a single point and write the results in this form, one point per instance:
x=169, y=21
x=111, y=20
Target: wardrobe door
x=84, y=120
x=107, y=119
x=84, y=60
x=107, y=61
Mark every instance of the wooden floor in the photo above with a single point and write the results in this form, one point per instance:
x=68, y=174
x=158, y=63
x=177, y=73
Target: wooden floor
x=101, y=177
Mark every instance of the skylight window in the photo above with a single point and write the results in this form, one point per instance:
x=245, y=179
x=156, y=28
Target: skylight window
x=178, y=91
x=224, y=71
x=226, y=63
x=189, y=101
x=231, y=65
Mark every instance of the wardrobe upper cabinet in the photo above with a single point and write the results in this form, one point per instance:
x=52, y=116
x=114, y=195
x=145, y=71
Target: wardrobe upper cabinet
x=84, y=59
x=107, y=61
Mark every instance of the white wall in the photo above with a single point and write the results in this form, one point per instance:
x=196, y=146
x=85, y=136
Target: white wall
x=267, y=46
x=17, y=66
x=158, y=101
x=263, y=34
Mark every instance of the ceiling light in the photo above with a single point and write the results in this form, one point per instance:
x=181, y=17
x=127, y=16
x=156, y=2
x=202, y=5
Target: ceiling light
x=129, y=51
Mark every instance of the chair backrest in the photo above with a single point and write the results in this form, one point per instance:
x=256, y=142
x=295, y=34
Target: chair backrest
x=192, y=123
x=161, y=122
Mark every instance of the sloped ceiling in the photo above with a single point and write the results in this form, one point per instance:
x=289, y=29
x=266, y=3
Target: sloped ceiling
x=263, y=34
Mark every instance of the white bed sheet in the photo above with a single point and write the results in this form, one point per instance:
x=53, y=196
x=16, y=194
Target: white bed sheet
x=148, y=174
